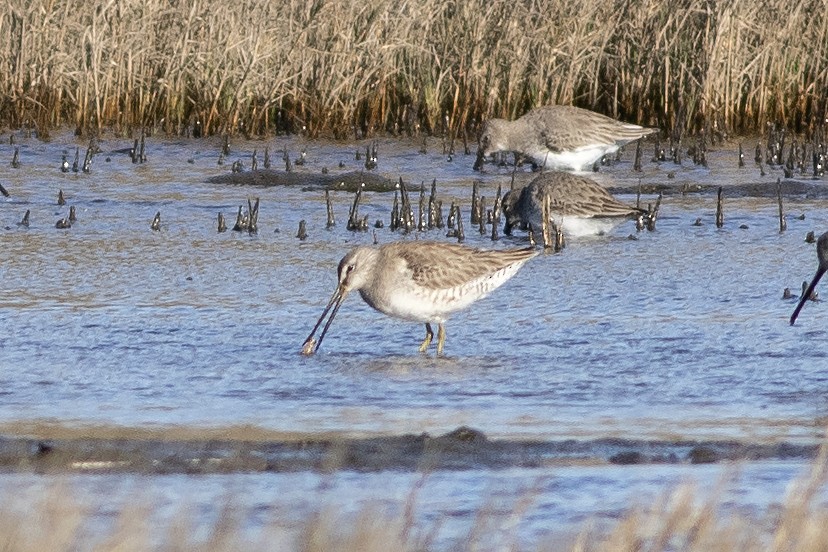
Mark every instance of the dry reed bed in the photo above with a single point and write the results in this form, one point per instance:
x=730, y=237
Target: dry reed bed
x=679, y=520
x=335, y=66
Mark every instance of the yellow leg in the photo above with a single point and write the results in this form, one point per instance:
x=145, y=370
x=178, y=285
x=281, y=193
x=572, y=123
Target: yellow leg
x=441, y=339
x=427, y=341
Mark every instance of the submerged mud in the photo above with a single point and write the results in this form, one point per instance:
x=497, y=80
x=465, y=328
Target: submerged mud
x=347, y=181
x=461, y=449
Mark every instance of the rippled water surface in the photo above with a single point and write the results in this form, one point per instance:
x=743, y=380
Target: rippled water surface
x=681, y=333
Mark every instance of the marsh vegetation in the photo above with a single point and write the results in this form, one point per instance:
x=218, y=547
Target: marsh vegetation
x=343, y=68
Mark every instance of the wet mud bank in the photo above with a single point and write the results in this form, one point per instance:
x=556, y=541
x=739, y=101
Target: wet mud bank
x=348, y=181
x=790, y=188
x=462, y=449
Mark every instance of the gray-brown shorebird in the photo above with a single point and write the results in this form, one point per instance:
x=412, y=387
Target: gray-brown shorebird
x=559, y=137
x=420, y=281
x=579, y=205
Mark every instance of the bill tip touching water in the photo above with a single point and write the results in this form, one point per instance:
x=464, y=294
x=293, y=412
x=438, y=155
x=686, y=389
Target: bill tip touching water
x=421, y=281
x=822, y=256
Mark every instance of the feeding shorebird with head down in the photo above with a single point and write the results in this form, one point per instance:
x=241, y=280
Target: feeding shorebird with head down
x=579, y=205
x=558, y=137
x=420, y=281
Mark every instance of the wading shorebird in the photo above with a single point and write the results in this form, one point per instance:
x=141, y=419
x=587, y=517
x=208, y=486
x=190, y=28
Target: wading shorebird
x=822, y=256
x=558, y=137
x=420, y=281
x=581, y=206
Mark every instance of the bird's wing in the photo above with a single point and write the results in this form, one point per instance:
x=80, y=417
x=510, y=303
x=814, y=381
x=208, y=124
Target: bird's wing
x=438, y=265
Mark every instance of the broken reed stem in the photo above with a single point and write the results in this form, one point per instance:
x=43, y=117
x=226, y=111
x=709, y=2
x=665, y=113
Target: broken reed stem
x=475, y=203
x=783, y=224
x=546, y=222
x=354, y=222
x=652, y=215
x=253, y=211
x=432, y=205
x=423, y=225
x=719, y=209
x=395, y=212
x=481, y=218
x=637, y=162
x=328, y=206
x=458, y=220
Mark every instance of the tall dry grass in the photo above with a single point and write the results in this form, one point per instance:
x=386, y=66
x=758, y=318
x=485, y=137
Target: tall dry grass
x=338, y=66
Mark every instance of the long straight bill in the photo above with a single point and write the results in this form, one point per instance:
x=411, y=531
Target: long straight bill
x=807, y=294
x=308, y=347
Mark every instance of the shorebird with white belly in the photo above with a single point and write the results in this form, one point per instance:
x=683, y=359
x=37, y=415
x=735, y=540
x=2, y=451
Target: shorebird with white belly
x=558, y=137
x=579, y=205
x=420, y=281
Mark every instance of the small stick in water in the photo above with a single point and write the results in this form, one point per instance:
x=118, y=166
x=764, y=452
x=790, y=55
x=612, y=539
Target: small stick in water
x=16, y=159
x=461, y=236
x=637, y=162
x=481, y=218
x=25, y=222
x=241, y=221
x=652, y=214
x=422, y=226
x=222, y=224
x=719, y=209
x=452, y=216
x=497, y=209
x=783, y=224
x=438, y=208
x=353, y=215
x=4, y=191
x=266, y=161
x=253, y=214
x=302, y=234
x=475, y=203
x=329, y=208
x=395, y=212
x=560, y=243
x=432, y=205
x=254, y=161
x=142, y=153
x=87, y=161
x=72, y=215
x=156, y=222
x=61, y=199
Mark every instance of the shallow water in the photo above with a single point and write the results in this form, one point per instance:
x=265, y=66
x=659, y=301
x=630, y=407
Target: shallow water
x=680, y=334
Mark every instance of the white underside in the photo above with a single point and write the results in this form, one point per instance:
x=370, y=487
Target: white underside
x=420, y=305
x=577, y=227
x=581, y=159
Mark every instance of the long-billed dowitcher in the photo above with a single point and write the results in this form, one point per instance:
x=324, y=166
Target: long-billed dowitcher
x=582, y=206
x=822, y=256
x=420, y=281
x=559, y=137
